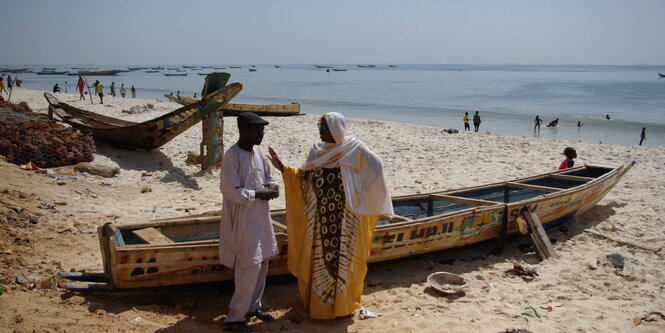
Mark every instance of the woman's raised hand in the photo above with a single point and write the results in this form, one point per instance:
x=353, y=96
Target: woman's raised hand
x=274, y=159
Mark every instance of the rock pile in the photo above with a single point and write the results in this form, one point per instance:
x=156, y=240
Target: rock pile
x=27, y=136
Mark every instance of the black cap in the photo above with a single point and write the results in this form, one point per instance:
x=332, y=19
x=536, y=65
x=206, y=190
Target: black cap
x=250, y=118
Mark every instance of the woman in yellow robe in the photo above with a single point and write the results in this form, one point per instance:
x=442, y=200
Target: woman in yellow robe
x=333, y=203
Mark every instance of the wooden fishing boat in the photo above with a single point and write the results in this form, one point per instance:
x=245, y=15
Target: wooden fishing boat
x=97, y=73
x=52, y=72
x=233, y=109
x=152, y=133
x=184, y=250
x=661, y=75
x=175, y=74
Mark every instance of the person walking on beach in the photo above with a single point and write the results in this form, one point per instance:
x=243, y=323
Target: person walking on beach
x=66, y=86
x=536, y=123
x=247, y=239
x=569, y=162
x=99, y=89
x=10, y=83
x=643, y=135
x=2, y=86
x=333, y=203
x=133, y=92
x=476, y=121
x=112, y=87
x=122, y=90
x=79, y=86
x=466, y=122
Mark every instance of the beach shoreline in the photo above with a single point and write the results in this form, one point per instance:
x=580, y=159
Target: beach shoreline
x=583, y=295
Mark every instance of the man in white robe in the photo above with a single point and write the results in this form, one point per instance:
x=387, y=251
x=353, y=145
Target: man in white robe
x=247, y=239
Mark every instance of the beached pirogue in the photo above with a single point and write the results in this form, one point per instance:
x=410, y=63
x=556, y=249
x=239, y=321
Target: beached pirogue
x=152, y=133
x=184, y=250
x=233, y=109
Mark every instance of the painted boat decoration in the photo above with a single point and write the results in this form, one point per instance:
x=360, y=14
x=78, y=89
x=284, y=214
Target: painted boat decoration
x=184, y=250
x=233, y=109
x=150, y=134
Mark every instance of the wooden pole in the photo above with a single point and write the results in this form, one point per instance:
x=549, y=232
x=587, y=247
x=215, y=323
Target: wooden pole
x=541, y=242
x=86, y=84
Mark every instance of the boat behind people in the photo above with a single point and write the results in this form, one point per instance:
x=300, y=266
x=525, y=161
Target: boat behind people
x=185, y=250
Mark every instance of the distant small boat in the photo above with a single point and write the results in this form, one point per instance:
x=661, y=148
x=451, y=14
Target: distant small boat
x=52, y=72
x=96, y=73
x=189, y=66
x=661, y=75
x=15, y=70
x=206, y=66
x=339, y=70
x=203, y=73
x=252, y=69
x=157, y=68
x=131, y=69
x=366, y=66
x=276, y=66
x=175, y=74
x=220, y=67
x=392, y=66
x=236, y=66
x=152, y=71
x=48, y=68
x=321, y=66
x=172, y=68
x=180, y=70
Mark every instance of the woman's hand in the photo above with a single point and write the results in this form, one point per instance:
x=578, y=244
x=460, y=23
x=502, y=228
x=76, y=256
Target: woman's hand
x=274, y=159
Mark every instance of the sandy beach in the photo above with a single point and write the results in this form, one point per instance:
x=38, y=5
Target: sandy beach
x=46, y=228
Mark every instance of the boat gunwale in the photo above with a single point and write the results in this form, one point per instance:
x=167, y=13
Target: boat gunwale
x=400, y=224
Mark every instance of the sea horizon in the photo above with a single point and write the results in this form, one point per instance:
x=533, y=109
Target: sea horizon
x=507, y=96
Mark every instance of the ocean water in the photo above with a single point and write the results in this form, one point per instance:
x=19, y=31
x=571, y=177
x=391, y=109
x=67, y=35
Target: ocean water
x=508, y=97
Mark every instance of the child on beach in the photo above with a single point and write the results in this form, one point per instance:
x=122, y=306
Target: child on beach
x=466, y=122
x=133, y=92
x=569, y=162
x=122, y=90
x=476, y=122
x=99, y=88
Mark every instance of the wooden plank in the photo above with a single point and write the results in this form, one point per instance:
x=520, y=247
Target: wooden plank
x=541, y=242
x=152, y=236
x=533, y=187
x=468, y=201
x=577, y=178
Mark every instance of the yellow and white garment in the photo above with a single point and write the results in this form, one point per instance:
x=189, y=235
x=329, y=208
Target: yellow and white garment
x=333, y=203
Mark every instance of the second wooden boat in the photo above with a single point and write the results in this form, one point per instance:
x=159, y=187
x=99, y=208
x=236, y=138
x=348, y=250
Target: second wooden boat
x=233, y=109
x=184, y=250
x=149, y=134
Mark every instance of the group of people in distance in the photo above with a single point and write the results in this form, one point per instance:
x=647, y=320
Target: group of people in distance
x=99, y=89
x=555, y=122
x=10, y=84
x=333, y=203
x=476, y=122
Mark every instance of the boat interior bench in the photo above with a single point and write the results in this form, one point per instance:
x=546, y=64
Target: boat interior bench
x=152, y=236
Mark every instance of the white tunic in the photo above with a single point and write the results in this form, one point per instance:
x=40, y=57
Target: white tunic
x=245, y=231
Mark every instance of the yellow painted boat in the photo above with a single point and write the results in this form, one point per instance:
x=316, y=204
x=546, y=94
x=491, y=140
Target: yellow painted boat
x=184, y=250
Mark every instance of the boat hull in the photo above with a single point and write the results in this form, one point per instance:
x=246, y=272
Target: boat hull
x=185, y=250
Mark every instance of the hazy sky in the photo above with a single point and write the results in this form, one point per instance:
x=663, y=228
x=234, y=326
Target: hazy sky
x=337, y=32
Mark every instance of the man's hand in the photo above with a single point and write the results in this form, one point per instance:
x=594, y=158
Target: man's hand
x=269, y=192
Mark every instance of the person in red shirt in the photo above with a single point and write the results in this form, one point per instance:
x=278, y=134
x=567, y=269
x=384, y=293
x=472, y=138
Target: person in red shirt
x=79, y=87
x=569, y=162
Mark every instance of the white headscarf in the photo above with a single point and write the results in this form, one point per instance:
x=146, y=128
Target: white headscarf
x=362, y=169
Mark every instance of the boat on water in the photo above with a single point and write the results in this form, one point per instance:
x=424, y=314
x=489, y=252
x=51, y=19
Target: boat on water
x=339, y=70
x=52, y=72
x=233, y=109
x=661, y=75
x=235, y=66
x=323, y=66
x=366, y=66
x=97, y=73
x=152, y=133
x=175, y=74
x=152, y=71
x=184, y=250
x=15, y=70
x=252, y=69
x=132, y=69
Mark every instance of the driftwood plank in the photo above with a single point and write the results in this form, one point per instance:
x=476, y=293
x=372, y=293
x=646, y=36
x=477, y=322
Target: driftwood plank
x=541, y=242
x=152, y=236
